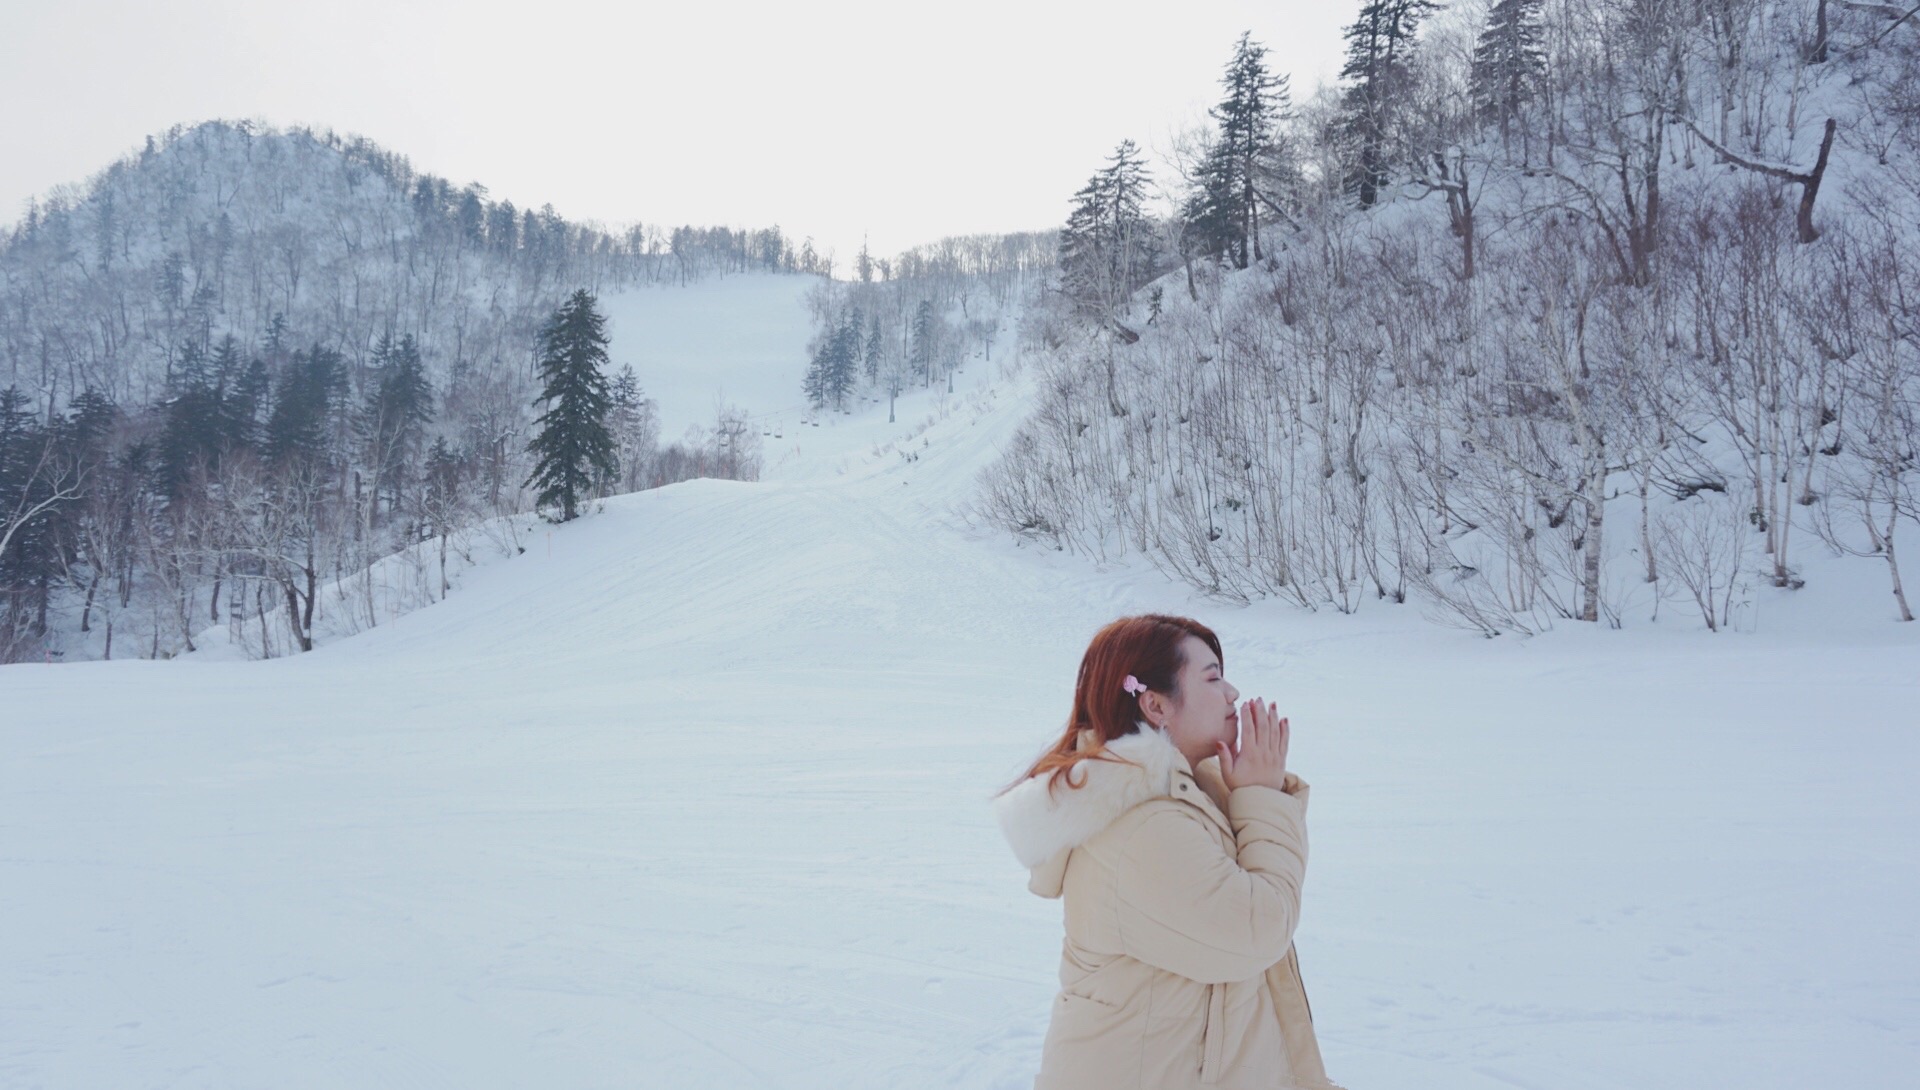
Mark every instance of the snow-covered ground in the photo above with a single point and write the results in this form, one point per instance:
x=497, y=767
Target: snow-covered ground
x=694, y=794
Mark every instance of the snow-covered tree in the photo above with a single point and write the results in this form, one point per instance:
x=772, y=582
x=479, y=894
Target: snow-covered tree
x=574, y=449
x=1247, y=173
x=1378, y=75
x=1108, y=246
x=1508, y=61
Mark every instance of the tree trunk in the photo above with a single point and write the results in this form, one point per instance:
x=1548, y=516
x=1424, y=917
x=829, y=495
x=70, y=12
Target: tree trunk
x=293, y=617
x=1810, y=187
x=1590, y=543
x=1646, y=539
x=313, y=593
x=1883, y=540
x=1893, y=569
x=86, y=612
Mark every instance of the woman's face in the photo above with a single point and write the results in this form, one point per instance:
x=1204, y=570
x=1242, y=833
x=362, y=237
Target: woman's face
x=1204, y=712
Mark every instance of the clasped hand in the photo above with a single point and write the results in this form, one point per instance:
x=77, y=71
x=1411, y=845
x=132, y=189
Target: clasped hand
x=1261, y=756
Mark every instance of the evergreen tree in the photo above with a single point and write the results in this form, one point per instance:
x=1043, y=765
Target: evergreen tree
x=626, y=396
x=248, y=399
x=835, y=365
x=445, y=478
x=1508, y=60
x=233, y=382
x=276, y=333
x=843, y=361
x=814, y=383
x=1107, y=247
x=303, y=407
x=874, y=349
x=576, y=454
x=1130, y=245
x=1380, y=44
x=1246, y=165
x=473, y=215
x=503, y=228
x=1207, y=220
x=90, y=423
x=393, y=419
x=199, y=429
x=190, y=369
x=926, y=334
x=635, y=427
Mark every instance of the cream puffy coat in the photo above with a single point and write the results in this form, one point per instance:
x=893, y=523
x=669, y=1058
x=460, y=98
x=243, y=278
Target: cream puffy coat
x=1180, y=898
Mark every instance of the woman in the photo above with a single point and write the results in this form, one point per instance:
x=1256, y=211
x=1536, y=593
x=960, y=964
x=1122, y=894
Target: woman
x=1179, y=855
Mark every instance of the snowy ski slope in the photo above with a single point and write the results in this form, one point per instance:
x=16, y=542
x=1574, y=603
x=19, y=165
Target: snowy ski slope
x=693, y=794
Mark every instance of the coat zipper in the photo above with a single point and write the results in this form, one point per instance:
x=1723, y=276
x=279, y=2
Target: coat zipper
x=1212, y=1034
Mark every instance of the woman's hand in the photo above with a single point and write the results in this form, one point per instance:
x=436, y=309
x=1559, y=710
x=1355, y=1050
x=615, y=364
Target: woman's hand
x=1262, y=755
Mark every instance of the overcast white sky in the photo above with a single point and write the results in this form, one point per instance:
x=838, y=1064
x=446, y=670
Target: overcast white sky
x=833, y=118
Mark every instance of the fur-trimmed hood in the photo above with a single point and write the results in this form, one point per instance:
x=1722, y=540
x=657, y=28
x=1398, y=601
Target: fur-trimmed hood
x=1043, y=825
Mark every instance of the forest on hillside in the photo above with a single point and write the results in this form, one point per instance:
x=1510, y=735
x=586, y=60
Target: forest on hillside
x=243, y=365
x=910, y=320
x=1548, y=310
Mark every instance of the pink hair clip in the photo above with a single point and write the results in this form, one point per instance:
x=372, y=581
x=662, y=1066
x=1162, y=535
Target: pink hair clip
x=1132, y=685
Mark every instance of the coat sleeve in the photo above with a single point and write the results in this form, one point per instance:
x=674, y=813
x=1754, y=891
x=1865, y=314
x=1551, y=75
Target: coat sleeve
x=1190, y=908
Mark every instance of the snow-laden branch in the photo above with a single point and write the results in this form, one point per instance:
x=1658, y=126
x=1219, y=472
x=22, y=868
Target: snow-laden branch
x=1808, y=180
x=23, y=514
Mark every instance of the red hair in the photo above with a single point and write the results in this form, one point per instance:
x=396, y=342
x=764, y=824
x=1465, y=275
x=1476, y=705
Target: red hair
x=1147, y=646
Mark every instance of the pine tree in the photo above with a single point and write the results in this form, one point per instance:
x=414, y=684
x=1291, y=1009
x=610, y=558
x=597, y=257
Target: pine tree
x=634, y=426
x=576, y=454
x=835, y=365
x=245, y=403
x=303, y=407
x=190, y=369
x=926, y=333
x=1379, y=66
x=503, y=228
x=1107, y=246
x=1244, y=154
x=202, y=422
x=1206, y=217
x=843, y=362
x=874, y=349
x=1507, y=61
x=233, y=412
x=185, y=441
x=276, y=332
x=91, y=421
x=393, y=418
x=814, y=383
x=473, y=215
x=445, y=478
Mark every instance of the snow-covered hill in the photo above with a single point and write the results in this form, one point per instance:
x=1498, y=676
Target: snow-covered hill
x=308, y=237
x=693, y=793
